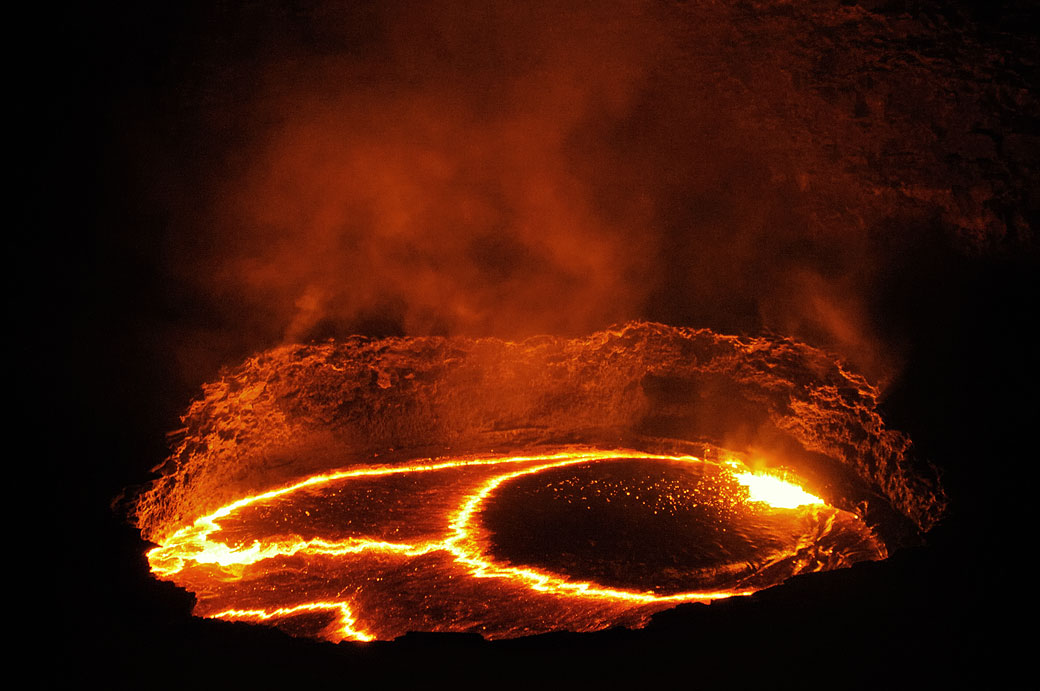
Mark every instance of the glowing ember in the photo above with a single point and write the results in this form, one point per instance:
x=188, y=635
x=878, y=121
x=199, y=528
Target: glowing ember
x=385, y=550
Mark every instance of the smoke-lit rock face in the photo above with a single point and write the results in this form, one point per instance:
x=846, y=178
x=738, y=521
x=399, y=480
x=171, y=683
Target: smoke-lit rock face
x=297, y=411
x=919, y=113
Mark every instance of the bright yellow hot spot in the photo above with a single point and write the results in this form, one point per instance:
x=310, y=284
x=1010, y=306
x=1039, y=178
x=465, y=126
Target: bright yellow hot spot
x=776, y=492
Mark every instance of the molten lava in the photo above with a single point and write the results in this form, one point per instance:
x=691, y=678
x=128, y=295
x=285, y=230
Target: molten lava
x=571, y=485
x=775, y=491
x=374, y=552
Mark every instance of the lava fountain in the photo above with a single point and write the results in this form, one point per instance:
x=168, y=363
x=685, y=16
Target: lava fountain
x=367, y=488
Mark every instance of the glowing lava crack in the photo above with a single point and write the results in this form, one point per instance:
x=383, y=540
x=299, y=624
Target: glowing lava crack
x=375, y=551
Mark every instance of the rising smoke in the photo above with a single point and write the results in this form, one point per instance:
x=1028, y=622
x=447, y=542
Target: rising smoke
x=508, y=169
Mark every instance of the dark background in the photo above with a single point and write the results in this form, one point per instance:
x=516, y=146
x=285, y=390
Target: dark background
x=94, y=392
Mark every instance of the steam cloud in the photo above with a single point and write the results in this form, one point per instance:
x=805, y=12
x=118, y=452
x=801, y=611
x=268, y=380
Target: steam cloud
x=507, y=169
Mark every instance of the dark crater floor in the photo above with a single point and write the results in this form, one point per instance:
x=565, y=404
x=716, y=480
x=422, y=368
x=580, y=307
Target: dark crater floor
x=637, y=524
